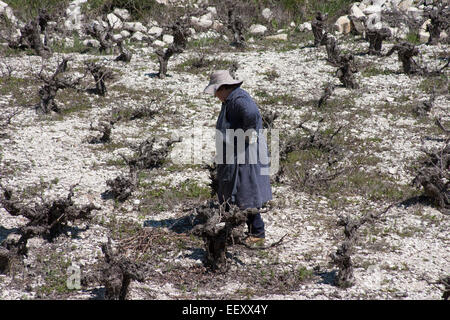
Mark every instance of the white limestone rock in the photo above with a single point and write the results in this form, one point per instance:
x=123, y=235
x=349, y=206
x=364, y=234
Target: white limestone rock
x=135, y=27
x=343, y=25
x=6, y=11
x=257, y=29
x=405, y=5
x=267, y=14
x=122, y=14
x=280, y=36
x=167, y=38
x=125, y=34
x=137, y=37
x=374, y=21
x=159, y=43
x=155, y=31
x=217, y=25
x=114, y=21
x=372, y=9
x=306, y=26
x=415, y=13
x=212, y=10
x=201, y=23
x=117, y=37
x=356, y=11
x=92, y=43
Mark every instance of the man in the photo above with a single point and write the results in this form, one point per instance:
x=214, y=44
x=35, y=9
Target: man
x=242, y=166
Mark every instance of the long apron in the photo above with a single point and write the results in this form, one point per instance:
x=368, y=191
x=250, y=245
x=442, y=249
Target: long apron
x=241, y=184
x=227, y=174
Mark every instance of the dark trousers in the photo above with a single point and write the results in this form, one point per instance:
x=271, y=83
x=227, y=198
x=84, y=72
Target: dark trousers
x=255, y=225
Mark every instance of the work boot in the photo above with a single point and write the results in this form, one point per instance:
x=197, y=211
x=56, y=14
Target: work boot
x=254, y=241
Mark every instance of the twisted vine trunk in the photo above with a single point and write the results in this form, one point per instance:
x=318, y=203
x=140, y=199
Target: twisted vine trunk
x=236, y=26
x=318, y=29
x=346, y=71
x=406, y=51
x=218, y=232
x=180, y=33
x=117, y=273
x=376, y=38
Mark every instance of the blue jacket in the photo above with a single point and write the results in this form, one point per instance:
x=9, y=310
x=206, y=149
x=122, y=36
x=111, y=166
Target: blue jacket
x=242, y=183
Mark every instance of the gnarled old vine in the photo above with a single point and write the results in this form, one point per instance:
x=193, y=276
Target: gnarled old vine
x=236, y=26
x=318, y=26
x=219, y=231
x=342, y=258
x=146, y=157
x=406, y=51
x=346, y=71
x=47, y=93
x=180, y=33
x=101, y=74
x=376, y=38
x=434, y=177
x=48, y=219
x=117, y=273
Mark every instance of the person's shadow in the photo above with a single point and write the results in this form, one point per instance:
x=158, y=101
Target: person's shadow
x=307, y=46
x=328, y=277
x=155, y=75
x=96, y=293
x=4, y=232
x=177, y=225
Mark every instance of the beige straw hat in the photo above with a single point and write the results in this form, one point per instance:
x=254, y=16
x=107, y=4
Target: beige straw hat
x=218, y=78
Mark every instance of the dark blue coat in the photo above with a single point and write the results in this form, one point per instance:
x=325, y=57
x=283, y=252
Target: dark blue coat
x=242, y=183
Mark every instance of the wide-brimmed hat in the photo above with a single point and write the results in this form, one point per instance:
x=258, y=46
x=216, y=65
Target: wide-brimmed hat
x=219, y=78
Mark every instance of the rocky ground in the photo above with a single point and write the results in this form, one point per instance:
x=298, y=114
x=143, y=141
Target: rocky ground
x=403, y=255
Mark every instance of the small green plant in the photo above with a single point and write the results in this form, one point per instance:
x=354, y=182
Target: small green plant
x=19, y=89
x=191, y=190
x=203, y=44
x=439, y=83
x=373, y=71
x=73, y=103
x=118, y=162
x=413, y=37
x=77, y=46
x=271, y=75
x=303, y=274
x=26, y=9
x=277, y=99
x=54, y=268
x=248, y=293
x=164, y=197
x=274, y=24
